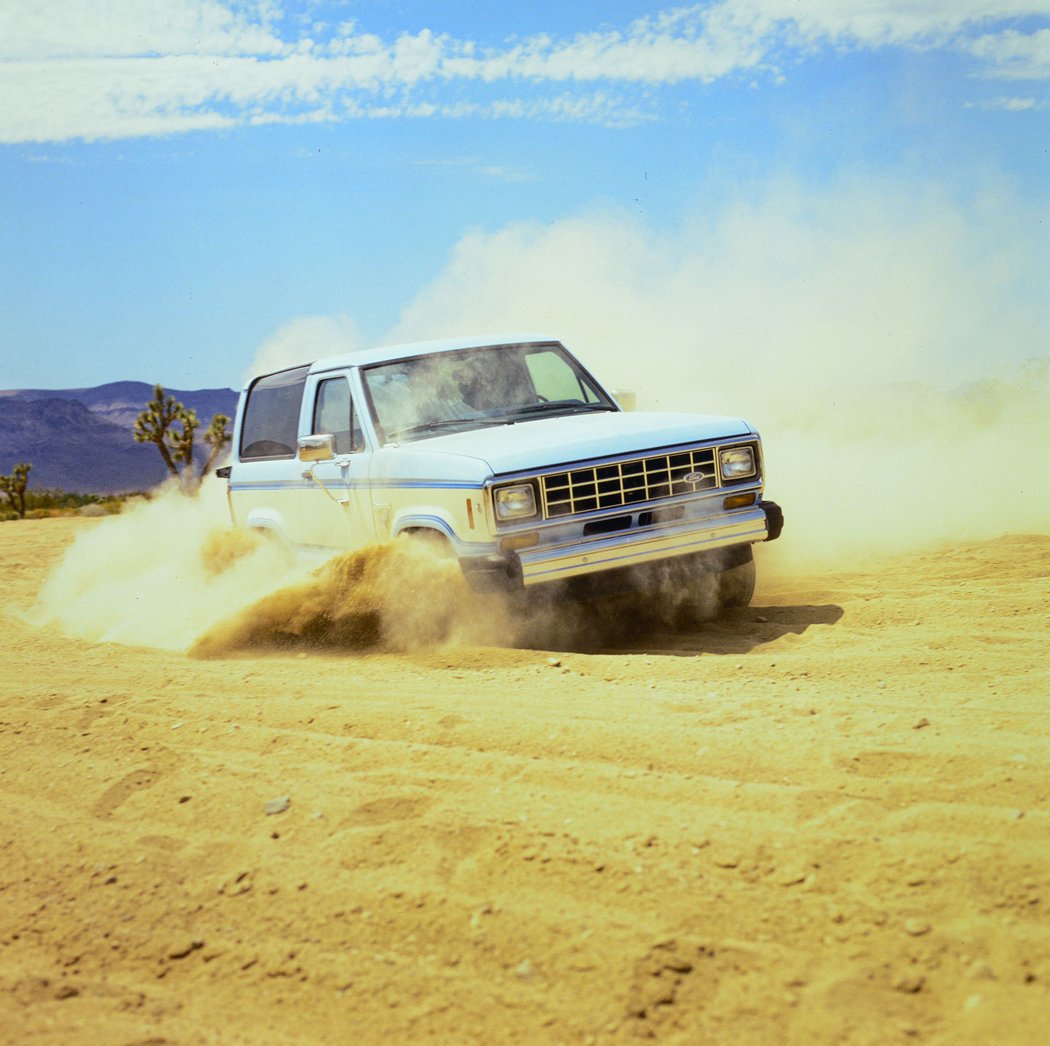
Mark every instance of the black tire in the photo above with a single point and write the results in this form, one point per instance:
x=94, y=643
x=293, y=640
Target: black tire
x=736, y=585
x=427, y=537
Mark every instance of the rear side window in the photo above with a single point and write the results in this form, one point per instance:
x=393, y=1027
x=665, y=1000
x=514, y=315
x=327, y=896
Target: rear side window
x=271, y=416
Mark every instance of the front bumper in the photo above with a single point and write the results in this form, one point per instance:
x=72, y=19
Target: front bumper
x=634, y=546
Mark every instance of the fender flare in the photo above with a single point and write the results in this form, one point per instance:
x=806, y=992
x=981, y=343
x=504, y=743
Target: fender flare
x=269, y=520
x=425, y=521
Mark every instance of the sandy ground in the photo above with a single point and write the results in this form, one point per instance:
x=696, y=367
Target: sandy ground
x=822, y=819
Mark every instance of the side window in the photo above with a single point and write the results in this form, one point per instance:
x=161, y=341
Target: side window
x=271, y=415
x=334, y=413
x=555, y=379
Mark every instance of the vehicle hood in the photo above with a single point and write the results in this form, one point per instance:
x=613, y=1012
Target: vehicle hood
x=550, y=442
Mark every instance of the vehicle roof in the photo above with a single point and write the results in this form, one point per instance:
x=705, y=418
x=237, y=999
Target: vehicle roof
x=386, y=353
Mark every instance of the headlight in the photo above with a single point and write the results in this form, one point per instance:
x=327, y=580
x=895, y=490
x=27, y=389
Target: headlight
x=736, y=462
x=516, y=502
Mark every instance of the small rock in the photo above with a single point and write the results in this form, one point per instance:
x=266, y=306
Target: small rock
x=916, y=927
x=184, y=948
x=478, y=915
x=911, y=984
x=554, y=662
x=277, y=806
x=524, y=970
x=921, y=723
x=67, y=991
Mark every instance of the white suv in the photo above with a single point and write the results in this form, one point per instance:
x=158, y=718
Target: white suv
x=509, y=451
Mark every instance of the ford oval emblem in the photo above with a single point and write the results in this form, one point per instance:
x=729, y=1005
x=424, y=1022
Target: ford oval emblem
x=694, y=477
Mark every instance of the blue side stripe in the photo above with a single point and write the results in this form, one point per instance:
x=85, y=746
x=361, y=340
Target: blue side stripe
x=358, y=484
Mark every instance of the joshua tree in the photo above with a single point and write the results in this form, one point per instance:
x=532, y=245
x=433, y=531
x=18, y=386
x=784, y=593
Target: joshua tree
x=14, y=486
x=172, y=427
x=218, y=439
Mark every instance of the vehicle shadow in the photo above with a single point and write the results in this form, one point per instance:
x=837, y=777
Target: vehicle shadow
x=633, y=629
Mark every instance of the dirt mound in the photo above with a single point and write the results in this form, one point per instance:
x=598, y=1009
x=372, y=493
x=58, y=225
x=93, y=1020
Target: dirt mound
x=394, y=596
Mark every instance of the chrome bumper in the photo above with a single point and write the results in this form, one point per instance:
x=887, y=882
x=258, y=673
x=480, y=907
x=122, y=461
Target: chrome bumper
x=634, y=546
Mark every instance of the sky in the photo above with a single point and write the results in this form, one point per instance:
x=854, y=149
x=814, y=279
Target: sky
x=816, y=193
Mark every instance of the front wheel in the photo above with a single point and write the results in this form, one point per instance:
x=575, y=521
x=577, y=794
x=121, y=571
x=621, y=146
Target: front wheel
x=736, y=584
x=712, y=584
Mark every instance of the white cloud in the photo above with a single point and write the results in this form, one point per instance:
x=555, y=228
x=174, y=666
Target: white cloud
x=690, y=45
x=121, y=28
x=74, y=68
x=1014, y=55
x=889, y=22
x=1007, y=104
x=476, y=166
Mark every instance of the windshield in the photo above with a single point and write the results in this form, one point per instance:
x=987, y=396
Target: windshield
x=471, y=388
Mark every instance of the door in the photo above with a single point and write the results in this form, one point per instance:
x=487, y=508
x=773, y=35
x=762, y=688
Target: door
x=336, y=503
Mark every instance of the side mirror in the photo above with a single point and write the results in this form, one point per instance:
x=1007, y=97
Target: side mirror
x=319, y=447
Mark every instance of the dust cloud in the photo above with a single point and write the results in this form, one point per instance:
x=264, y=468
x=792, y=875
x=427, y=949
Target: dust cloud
x=404, y=595
x=303, y=340
x=882, y=471
x=887, y=338
x=171, y=573
x=160, y=573
x=396, y=596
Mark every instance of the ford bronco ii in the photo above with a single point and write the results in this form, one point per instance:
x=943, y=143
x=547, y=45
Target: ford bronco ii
x=509, y=453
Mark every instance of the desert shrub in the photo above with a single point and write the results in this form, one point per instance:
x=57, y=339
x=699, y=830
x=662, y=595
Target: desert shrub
x=50, y=502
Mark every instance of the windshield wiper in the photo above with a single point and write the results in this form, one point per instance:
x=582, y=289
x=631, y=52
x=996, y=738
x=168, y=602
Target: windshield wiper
x=441, y=426
x=561, y=406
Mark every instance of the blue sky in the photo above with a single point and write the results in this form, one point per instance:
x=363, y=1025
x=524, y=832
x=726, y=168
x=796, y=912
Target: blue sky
x=849, y=189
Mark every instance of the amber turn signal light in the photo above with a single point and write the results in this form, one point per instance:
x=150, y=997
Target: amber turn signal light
x=738, y=501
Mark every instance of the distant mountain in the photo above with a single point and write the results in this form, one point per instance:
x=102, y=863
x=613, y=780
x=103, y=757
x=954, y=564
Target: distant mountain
x=82, y=439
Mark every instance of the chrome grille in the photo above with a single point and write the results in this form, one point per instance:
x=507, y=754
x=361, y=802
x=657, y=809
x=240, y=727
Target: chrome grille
x=633, y=482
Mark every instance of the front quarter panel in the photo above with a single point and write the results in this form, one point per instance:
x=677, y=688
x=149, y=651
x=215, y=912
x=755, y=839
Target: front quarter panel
x=413, y=489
